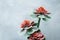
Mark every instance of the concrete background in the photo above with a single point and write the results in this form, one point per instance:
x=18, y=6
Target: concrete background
x=12, y=12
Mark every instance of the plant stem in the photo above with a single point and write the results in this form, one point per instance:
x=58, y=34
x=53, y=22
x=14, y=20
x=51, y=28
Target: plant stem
x=38, y=22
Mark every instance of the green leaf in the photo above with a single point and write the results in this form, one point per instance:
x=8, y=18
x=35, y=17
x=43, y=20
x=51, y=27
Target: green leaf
x=38, y=30
x=22, y=30
x=44, y=19
x=35, y=13
x=44, y=39
x=34, y=24
x=47, y=16
x=48, y=13
x=29, y=31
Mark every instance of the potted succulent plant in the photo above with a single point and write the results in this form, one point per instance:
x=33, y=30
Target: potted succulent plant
x=32, y=28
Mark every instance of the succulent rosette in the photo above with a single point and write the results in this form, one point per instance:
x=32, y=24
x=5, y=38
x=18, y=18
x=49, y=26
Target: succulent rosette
x=41, y=13
x=28, y=25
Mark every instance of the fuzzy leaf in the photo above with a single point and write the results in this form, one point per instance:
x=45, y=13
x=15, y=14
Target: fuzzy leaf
x=44, y=39
x=22, y=30
x=48, y=13
x=34, y=24
x=44, y=19
x=29, y=31
x=47, y=16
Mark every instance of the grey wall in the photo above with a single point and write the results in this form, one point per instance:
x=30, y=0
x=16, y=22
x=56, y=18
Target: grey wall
x=12, y=12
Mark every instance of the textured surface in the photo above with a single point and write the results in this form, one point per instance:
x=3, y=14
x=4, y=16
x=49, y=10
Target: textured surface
x=12, y=12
